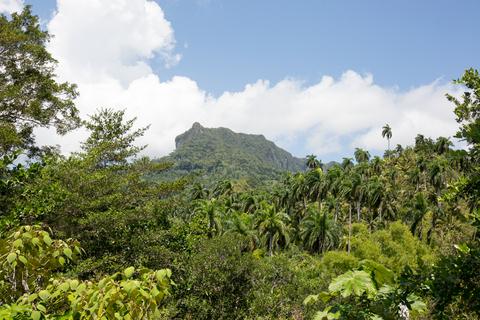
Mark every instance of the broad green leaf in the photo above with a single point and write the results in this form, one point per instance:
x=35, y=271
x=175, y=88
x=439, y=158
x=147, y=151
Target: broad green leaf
x=64, y=286
x=36, y=315
x=416, y=304
x=23, y=259
x=161, y=274
x=36, y=241
x=381, y=274
x=11, y=257
x=48, y=241
x=353, y=282
x=32, y=297
x=74, y=284
x=463, y=248
x=325, y=315
x=129, y=272
x=41, y=308
x=18, y=243
x=310, y=299
x=44, y=295
x=68, y=252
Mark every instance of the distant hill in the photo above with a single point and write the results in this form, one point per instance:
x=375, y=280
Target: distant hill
x=220, y=153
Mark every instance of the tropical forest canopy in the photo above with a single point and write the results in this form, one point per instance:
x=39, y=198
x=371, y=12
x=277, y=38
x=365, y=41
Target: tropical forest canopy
x=105, y=233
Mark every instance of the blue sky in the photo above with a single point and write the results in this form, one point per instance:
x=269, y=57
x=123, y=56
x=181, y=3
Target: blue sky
x=226, y=44
x=272, y=66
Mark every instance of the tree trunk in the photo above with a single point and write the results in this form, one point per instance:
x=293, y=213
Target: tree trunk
x=349, y=227
x=434, y=223
x=336, y=211
x=380, y=209
x=270, y=245
x=358, y=210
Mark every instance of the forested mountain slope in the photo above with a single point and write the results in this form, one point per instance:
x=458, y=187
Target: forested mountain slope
x=221, y=153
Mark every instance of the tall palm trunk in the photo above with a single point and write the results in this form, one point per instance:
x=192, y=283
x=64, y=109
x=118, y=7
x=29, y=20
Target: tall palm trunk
x=349, y=226
x=380, y=209
x=270, y=244
x=435, y=215
x=359, y=209
x=336, y=211
x=212, y=226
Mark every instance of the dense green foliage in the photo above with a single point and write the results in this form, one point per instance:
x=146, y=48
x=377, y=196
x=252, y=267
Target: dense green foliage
x=29, y=95
x=391, y=237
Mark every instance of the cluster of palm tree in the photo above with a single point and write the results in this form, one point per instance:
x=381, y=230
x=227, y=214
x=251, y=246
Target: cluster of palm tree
x=315, y=209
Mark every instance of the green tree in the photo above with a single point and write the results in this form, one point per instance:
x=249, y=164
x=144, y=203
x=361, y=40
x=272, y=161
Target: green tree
x=438, y=170
x=111, y=138
x=317, y=186
x=211, y=209
x=467, y=111
x=313, y=162
x=30, y=96
x=442, y=145
x=387, y=133
x=347, y=164
x=243, y=224
x=361, y=155
x=29, y=259
x=319, y=233
x=347, y=191
x=272, y=225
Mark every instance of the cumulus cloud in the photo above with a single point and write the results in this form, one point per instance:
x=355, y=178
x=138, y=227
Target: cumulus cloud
x=105, y=47
x=10, y=6
x=97, y=41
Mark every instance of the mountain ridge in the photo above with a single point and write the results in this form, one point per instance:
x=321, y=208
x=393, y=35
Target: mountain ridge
x=225, y=154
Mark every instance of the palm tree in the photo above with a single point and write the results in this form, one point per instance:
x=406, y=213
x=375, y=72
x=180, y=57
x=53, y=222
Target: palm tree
x=317, y=186
x=361, y=155
x=347, y=164
x=419, y=141
x=272, y=226
x=300, y=190
x=437, y=175
x=398, y=150
x=346, y=191
x=313, y=162
x=223, y=188
x=319, y=233
x=442, y=145
x=249, y=202
x=376, y=165
x=198, y=191
x=420, y=209
x=387, y=132
x=210, y=209
x=375, y=193
x=243, y=223
x=334, y=176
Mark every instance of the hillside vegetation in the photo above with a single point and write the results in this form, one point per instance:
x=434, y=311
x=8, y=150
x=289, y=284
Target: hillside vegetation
x=219, y=153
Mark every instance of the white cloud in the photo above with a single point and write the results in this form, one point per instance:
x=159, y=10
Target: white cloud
x=101, y=40
x=10, y=6
x=105, y=47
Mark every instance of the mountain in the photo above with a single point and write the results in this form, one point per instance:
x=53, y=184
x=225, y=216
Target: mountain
x=220, y=153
